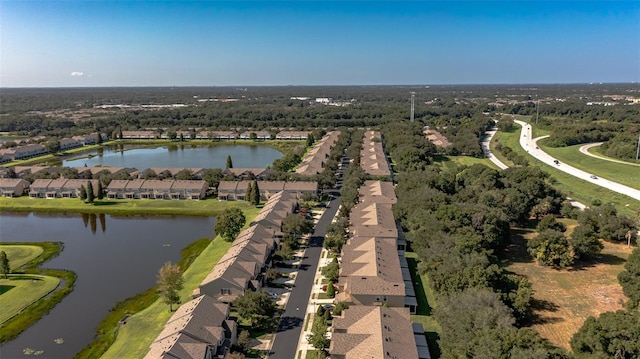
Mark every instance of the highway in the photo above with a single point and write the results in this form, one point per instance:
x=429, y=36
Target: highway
x=530, y=145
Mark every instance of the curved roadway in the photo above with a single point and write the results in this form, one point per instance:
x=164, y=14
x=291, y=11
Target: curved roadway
x=530, y=146
x=487, y=150
x=585, y=150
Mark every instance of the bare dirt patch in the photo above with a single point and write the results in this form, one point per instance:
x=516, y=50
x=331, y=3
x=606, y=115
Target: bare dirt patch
x=564, y=299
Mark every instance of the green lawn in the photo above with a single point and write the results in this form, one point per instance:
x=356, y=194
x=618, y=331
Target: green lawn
x=135, y=337
x=20, y=255
x=21, y=290
x=448, y=161
x=206, y=207
x=571, y=186
x=497, y=138
x=426, y=302
x=626, y=174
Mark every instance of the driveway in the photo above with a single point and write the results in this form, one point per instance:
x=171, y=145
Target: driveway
x=530, y=145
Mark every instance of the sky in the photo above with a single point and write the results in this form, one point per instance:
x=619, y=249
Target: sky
x=261, y=43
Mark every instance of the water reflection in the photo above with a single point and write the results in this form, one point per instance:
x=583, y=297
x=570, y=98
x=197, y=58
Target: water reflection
x=176, y=155
x=117, y=264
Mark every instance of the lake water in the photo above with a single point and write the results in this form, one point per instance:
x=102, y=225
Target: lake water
x=178, y=156
x=114, y=258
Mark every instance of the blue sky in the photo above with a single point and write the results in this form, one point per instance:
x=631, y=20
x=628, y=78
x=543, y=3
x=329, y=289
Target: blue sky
x=215, y=43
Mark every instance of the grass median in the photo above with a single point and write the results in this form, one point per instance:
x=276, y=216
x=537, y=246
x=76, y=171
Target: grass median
x=626, y=174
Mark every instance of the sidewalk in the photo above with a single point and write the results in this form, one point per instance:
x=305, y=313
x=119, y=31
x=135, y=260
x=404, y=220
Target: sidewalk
x=312, y=307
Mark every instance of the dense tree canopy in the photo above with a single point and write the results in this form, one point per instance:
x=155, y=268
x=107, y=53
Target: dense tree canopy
x=630, y=278
x=612, y=335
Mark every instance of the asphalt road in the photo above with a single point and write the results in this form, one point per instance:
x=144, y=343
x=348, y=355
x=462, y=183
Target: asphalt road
x=286, y=338
x=530, y=146
x=487, y=151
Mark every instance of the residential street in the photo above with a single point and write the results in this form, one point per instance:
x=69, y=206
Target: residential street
x=286, y=338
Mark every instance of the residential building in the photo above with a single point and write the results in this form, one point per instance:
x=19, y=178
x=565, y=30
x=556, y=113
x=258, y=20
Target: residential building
x=199, y=329
x=13, y=187
x=373, y=332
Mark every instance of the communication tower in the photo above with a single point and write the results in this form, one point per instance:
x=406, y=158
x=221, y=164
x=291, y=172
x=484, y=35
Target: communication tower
x=413, y=98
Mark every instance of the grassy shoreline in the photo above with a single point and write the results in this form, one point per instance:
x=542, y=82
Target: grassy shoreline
x=31, y=313
x=150, y=316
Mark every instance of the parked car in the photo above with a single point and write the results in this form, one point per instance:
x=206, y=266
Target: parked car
x=593, y=177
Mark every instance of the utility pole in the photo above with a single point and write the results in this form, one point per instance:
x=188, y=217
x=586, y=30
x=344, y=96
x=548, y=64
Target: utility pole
x=537, y=105
x=413, y=97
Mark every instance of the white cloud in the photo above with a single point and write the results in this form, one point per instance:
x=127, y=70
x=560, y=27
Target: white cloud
x=77, y=74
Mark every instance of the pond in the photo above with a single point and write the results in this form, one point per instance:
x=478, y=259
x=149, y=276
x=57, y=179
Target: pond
x=177, y=156
x=114, y=258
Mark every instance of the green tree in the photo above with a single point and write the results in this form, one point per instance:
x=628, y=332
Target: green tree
x=170, y=282
x=467, y=316
x=296, y=225
x=255, y=194
x=184, y=175
x=612, y=335
x=332, y=270
x=331, y=291
x=253, y=136
x=229, y=162
x=172, y=135
x=256, y=307
x=551, y=248
x=100, y=191
x=585, y=242
x=244, y=340
x=340, y=306
x=229, y=223
x=249, y=193
x=5, y=268
x=120, y=132
x=318, y=337
x=98, y=138
x=271, y=275
x=630, y=278
x=550, y=222
x=310, y=140
x=91, y=196
x=52, y=146
x=83, y=193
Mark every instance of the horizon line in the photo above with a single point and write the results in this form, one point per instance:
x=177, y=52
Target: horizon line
x=351, y=85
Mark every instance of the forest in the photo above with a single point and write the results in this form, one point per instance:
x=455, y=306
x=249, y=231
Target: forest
x=572, y=113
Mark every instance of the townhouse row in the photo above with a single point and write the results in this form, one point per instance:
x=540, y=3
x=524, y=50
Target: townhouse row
x=117, y=189
x=215, y=135
x=29, y=150
x=164, y=172
x=373, y=160
x=313, y=163
x=202, y=327
x=375, y=282
x=157, y=189
x=237, y=190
